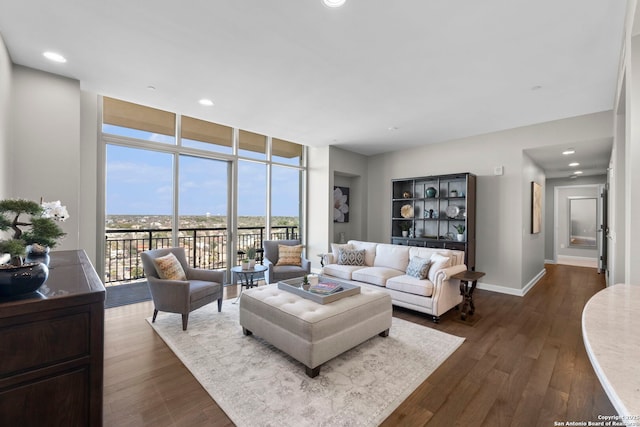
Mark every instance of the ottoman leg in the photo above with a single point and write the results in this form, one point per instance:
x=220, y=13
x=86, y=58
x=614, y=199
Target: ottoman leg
x=384, y=333
x=245, y=331
x=312, y=372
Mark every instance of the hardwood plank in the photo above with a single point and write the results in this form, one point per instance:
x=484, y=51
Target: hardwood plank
x=522, y=363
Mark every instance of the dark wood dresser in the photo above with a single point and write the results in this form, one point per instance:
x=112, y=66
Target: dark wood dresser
x=51, y=348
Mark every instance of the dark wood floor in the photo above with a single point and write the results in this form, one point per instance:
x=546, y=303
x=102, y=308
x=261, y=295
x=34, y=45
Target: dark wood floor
x=523, y=363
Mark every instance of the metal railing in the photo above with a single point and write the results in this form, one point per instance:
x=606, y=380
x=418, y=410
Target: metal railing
x=204, y=247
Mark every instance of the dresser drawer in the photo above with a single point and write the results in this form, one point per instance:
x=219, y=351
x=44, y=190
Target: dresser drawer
x=44, y=342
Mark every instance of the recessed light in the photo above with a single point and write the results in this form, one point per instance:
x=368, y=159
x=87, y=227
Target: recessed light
x=392, y=128
x=578, y=172
x=333, y=3
x=573, y=177
x=536, y=87
x=151, y=87
x=55, y=57
x=568, y=151
x=206, y=102
x=574, y=164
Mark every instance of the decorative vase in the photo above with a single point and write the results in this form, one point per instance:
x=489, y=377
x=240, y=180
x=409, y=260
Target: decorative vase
x=453, y=193
x=430, y=192
x=252, y=263
x=23, y=279
x=405, y=233
x=37, y=253
x=245, y=264
x=460, y=237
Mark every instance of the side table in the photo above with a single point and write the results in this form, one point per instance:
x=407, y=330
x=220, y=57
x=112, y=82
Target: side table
x=467, y=291
x=246, y=276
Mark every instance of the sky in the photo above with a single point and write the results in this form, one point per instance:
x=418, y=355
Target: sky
x=139, y=182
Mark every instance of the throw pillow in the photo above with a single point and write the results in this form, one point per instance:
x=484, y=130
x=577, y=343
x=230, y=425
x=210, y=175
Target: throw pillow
x=289, y=255
x=335, y=249
x=418, y=267
x=438, y=262
x=351, y=257
x=169, y=268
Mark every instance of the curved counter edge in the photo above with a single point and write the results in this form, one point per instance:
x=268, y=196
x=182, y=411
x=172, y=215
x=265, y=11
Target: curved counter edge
x=610, y=331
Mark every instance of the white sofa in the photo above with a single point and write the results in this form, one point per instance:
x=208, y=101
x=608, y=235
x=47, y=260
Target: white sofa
x=385, y=268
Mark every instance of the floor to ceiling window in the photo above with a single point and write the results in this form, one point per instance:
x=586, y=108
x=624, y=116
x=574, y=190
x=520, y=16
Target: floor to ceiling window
x=194, y=188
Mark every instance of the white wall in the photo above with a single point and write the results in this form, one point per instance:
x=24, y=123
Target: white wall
x=45, y=133
x=89, y=169
x=5, y=103
x=350, y=169
x=632, y=168
x=532, y=244
x=319, y=204
x=501, y=205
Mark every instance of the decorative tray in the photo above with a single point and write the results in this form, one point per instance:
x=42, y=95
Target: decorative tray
x=295, y=287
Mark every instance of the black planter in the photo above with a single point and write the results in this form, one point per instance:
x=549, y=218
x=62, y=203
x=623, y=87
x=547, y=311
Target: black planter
x=18, y=280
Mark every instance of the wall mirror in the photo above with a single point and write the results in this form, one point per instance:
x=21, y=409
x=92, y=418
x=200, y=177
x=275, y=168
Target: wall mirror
x=583, y=217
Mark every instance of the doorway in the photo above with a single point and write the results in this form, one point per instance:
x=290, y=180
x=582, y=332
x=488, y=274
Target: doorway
x=577, y=219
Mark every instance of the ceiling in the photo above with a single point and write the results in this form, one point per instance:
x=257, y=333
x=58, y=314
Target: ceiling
x=370, y=77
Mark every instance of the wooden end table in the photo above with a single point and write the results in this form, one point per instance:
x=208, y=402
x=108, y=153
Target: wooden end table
x=467, y=291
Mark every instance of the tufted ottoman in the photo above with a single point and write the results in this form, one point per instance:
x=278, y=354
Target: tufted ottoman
x=314, y=333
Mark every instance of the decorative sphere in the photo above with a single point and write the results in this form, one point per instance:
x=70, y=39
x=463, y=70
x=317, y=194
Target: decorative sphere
x=430, y=192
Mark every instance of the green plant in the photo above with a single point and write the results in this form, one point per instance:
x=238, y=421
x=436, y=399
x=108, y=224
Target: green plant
x=405, y=225
x=459, y=228
x=251, y=253
x=42, y=228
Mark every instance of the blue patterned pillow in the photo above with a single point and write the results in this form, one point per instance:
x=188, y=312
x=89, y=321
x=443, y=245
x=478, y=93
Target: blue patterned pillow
x=351, y=257
x=418, y=267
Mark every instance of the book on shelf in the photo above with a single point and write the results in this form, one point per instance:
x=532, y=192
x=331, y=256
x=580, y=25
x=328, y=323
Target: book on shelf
x=325, y=288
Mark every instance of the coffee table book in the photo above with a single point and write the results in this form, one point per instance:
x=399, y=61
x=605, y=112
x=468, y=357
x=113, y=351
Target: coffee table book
x=295, y=287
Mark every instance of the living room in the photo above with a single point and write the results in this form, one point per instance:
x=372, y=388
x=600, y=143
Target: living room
x=51, y=148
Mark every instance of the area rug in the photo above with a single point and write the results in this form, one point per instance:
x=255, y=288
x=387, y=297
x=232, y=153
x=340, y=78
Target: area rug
x=255, y=384
x=129, y=293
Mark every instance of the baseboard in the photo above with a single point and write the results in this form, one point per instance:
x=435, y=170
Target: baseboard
x=578, y=261
x=511, y=291
x=549, y=261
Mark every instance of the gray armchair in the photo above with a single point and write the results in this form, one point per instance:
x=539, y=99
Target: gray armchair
x=177, y=296
x=276, y=272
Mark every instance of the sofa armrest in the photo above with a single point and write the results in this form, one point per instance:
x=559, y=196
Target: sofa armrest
x=328, y=258
x=217, y=276
x=446, y=273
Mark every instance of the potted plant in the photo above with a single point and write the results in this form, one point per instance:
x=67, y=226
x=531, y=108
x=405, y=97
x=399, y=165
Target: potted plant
x=251, y=256
x=405, y=226
x=39, y=234
x=460, y=229
x=42, y=232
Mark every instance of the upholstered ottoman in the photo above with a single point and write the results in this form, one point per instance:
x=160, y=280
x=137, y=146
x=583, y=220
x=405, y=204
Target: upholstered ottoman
x=314, y=333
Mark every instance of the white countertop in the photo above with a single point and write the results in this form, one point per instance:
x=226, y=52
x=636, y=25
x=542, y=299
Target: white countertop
x=611, y=333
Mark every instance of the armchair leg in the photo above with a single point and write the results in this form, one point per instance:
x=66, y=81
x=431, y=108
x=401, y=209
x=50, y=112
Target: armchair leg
x=185, y=320
x=155, y=313
x=219, y=304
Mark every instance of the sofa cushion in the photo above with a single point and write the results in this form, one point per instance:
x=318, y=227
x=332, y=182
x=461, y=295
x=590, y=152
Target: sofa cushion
x=418, y=267
x=369, y=247
x=392, y=256
x=375, y=275
x=340, y=271
x=351, y=257
x=169, y=268
x=289, y=255
x=335, y=249
x=438, y=262
x=409, y=284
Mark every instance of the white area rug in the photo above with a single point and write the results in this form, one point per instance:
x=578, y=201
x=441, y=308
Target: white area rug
x=258, y=385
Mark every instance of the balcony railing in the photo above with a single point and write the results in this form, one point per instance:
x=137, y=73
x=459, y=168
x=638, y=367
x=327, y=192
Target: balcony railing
x=204, y=247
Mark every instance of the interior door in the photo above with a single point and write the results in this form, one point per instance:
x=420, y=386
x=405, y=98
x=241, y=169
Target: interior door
x=603, y=232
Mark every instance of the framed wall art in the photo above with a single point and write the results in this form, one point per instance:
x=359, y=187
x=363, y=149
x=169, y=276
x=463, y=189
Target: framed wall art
x=340, y=204
x=536, y=207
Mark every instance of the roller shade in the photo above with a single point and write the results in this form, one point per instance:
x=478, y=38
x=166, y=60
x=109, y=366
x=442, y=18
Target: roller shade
x=286, y=149
x=200, y=130
x=252, y=141
x=134, y=116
